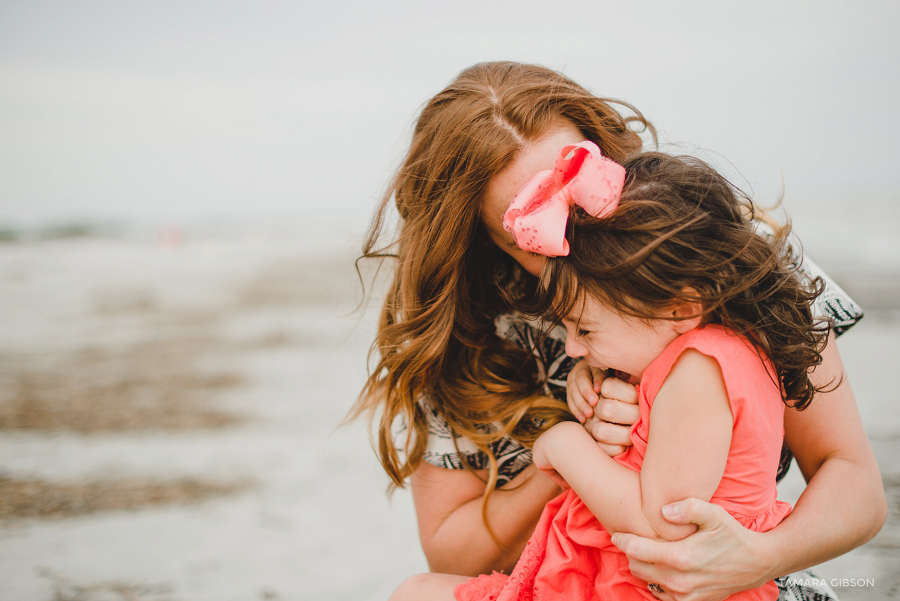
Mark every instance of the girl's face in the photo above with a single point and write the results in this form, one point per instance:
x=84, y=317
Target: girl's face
x=607, y=339
x=536, y=156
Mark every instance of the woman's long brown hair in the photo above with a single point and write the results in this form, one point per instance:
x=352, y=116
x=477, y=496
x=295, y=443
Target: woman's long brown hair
x=682, y=232
x=436, y=337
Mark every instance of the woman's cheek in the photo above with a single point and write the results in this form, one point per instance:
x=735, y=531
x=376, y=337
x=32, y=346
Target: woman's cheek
x=530, y=262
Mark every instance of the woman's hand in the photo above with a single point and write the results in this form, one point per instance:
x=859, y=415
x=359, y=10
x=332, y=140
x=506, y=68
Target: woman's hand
x=715, y=562
x=606, y=406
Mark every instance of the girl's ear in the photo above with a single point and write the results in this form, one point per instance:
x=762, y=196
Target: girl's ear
x=687, y=314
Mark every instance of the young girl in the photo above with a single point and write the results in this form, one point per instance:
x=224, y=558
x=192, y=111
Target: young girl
x=664, y=279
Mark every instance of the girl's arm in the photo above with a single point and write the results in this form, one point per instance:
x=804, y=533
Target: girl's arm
x=842, y=507
x=451, y=528
x=448, y=501
x=689, y=438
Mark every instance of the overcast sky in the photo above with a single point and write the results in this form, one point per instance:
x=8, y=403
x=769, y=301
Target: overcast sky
x=170, y=111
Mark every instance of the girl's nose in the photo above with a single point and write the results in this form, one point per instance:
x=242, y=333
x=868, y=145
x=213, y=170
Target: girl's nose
x=575, y=349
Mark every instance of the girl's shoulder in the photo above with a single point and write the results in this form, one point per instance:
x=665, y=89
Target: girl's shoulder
x=713, y=340
x=717, y=339
x=745, y=370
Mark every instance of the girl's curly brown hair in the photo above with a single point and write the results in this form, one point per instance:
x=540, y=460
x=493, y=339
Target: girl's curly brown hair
x=682, y=232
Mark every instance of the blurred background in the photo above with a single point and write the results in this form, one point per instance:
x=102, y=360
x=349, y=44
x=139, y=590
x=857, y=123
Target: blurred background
x=184, y=187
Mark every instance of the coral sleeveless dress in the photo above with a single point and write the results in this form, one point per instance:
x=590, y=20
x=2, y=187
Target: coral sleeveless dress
x=571, y=556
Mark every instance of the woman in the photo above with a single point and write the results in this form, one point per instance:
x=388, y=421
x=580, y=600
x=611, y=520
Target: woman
x=467, y=384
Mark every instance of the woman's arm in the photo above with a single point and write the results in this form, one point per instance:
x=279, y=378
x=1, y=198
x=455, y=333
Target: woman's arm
x=842, y=507
x=451, y=528
x=833, y=452
x=690, y=434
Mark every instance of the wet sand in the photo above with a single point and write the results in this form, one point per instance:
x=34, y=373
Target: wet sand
x=169, y=425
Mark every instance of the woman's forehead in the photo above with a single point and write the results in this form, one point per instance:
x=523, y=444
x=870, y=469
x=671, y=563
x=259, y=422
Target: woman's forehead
x=538, y=156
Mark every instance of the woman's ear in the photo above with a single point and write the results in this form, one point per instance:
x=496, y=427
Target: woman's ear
x=687, y=314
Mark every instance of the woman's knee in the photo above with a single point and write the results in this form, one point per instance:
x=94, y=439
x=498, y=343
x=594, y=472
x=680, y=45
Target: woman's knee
x=427, y=587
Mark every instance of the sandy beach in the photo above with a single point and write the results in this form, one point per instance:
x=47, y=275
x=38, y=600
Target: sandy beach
x=170, y=413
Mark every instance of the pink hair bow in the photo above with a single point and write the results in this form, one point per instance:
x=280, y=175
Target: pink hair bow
x=537, y=215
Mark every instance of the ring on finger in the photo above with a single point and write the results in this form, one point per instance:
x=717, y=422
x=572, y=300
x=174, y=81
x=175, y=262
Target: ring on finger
x=655, y=588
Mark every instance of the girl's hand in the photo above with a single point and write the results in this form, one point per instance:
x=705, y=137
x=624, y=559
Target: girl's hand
x=612, y=413
x=542, y=461
x=582, y=385
x=709, y=565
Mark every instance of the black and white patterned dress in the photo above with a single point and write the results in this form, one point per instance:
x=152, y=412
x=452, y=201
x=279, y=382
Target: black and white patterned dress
x=553, y=368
